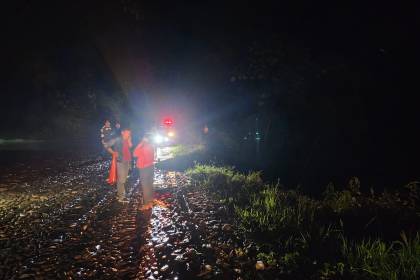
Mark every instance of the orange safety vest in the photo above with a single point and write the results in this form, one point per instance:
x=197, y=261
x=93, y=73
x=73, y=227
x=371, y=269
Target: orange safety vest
x=145, y=155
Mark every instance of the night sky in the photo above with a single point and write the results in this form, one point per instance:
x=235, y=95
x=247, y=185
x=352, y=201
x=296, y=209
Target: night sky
x=345, y=70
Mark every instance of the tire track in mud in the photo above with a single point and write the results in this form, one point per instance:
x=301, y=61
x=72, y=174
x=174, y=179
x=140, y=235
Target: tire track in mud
x=186, y=237
x=110, y=249
x=191, y=235
x=53, y=233
x=40, y=214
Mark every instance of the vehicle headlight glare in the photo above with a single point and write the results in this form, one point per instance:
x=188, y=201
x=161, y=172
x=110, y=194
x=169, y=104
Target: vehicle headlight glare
x=158, y=139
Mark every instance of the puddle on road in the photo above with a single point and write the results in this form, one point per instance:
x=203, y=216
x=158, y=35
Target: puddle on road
x=159, y=258
x=164, y=180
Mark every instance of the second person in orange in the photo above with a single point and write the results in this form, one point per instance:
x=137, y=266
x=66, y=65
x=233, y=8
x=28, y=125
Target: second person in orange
x=145, y=154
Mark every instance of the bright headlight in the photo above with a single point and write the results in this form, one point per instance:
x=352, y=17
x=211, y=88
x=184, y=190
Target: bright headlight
x=171, y=134
x=158, y=139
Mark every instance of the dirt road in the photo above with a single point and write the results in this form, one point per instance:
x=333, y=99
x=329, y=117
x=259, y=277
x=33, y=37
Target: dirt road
x=66, y=224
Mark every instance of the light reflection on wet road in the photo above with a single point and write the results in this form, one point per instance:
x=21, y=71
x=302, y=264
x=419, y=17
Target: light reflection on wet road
x=69, y=226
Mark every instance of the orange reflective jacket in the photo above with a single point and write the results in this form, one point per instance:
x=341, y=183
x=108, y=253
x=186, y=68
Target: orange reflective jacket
x=145, y=154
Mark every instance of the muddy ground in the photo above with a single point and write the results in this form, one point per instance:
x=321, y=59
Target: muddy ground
x=62, y=221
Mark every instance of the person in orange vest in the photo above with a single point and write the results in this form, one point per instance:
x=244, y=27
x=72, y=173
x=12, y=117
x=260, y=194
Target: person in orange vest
x=145, y=154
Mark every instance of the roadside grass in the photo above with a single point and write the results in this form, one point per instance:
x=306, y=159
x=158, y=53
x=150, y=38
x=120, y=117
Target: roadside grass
x=184, y=150
x=184, y=157
x=346, y=234
x=376, y=259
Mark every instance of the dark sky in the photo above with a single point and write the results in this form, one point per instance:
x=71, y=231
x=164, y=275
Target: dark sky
x=190, y=49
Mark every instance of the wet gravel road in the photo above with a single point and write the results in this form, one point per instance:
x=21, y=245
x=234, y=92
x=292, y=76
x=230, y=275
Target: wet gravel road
x=65, y=223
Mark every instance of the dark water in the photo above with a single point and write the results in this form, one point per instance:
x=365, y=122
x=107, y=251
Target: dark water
x=313, y=170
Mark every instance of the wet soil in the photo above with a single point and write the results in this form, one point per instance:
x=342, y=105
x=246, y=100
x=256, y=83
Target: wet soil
x=64, y=223
x=191, y=235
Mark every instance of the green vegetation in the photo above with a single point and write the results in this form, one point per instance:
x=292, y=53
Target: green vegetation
x=380, y=260
x=184, y=150
x=346, y=234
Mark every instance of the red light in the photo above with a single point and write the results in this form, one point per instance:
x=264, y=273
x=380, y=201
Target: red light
x=168, y=122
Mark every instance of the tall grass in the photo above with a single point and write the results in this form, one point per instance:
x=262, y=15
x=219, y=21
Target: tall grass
x=275, y=212
x=184, y=150
x=376, y=259
x=226, y=182
x=346, y=234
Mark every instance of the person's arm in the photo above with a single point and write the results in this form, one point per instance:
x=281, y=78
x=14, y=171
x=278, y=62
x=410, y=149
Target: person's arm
x=130, y=144
x=108, y=146
x=136, y=152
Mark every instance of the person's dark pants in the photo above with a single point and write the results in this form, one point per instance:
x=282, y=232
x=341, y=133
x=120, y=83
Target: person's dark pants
x=146, y=180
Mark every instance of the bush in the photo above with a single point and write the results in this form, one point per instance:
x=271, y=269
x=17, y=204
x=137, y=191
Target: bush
x=340, y=201
x=372, y=215
x=200, y=173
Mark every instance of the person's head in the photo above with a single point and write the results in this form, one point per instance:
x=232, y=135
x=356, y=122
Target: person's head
x=125, y=133
x=107, y=123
